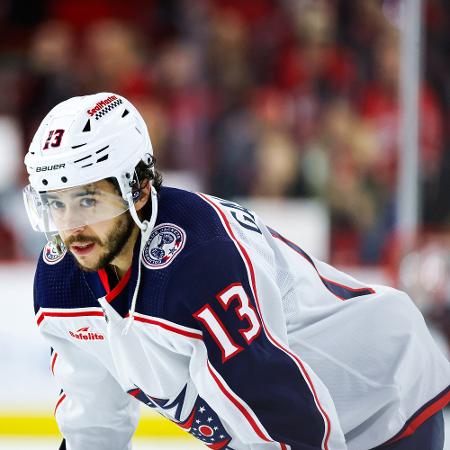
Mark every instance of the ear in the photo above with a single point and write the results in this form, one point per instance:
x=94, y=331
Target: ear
x=144, y=195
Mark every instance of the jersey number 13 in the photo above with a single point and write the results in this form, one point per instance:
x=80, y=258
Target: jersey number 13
x=234, y=293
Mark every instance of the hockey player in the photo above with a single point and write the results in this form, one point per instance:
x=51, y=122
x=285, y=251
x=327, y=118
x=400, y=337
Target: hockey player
x=191, y=305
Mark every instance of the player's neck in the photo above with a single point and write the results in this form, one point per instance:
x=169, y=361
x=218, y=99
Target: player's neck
x=124, y=259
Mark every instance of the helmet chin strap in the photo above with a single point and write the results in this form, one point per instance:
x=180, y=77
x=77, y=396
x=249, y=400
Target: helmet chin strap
x=146, y=224
x=146, y=228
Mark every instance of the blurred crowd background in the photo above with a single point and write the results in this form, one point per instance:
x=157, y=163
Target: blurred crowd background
x=258, y=98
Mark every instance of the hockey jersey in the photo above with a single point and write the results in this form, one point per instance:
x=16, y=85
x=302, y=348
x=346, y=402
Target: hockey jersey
x=238, y=336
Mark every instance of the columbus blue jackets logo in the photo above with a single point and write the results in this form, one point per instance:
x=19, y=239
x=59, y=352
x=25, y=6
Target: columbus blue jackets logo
x=163, y=245
x=203, y=423
x=51, y=255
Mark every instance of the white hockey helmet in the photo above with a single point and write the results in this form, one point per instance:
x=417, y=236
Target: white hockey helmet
x=80, y=142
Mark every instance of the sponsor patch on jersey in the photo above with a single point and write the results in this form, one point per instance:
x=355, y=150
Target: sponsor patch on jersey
x=84, y=334
x=50, y=255
x=165, y=242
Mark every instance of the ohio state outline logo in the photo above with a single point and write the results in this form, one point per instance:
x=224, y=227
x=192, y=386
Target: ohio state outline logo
x=165, y=242
x=50, y=255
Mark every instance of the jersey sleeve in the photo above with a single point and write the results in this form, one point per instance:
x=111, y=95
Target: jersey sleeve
x=93, y=412
x=249, y=376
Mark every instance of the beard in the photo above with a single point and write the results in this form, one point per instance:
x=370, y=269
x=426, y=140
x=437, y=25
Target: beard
x=113, y=243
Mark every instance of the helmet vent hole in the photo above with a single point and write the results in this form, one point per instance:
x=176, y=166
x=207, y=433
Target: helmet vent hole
x=78, y=146
x=87, y=127
x=126, y=112
x=87, y=165
x=103, y=158
x=102, y=149
x=64, y=179
x=44, y=182
x=82, y=159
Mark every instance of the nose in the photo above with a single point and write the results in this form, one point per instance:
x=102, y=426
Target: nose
x=77, y=230
x=68, y=219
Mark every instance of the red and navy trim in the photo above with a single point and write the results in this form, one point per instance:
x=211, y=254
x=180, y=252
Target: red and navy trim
x=339, y=290
x=61, y=398
x=82, y=312
x=169, y=326
x=430, y=408
x=52, y=362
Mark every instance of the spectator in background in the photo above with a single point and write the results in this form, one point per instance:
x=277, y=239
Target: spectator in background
x=114, y=59
x=51, y=73
x=380, y=107
x=425, y=273
x=276, y=164
x=313, y=68
x=186, y=100
x=233, y=128
x=337, y=167
x=10, y=168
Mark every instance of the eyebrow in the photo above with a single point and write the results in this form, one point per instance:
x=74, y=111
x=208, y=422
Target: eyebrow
x=76, y=194
x=86, y=192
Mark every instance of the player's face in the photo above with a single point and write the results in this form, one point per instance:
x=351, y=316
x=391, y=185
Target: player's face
x=96, y=245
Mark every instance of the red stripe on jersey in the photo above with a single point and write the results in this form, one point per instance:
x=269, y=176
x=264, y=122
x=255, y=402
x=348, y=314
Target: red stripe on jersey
x=236, y=403
x=174, y=329
x=112, y=294
x=55, y=355
x=59, y=402
x=187, y=424
x=45, y=314
x=424, y=415
x=253, y=284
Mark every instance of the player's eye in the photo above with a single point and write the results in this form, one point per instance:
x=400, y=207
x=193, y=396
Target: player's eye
x=56, y=205
x=88, y=202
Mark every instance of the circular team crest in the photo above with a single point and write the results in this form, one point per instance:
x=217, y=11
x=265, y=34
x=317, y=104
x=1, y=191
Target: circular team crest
x=50, y=254
x=165, y=242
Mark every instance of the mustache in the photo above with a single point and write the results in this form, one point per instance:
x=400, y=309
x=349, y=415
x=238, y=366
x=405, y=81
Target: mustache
x=81, y=239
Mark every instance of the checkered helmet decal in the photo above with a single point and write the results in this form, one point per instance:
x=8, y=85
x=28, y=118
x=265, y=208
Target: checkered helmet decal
x=108, y=108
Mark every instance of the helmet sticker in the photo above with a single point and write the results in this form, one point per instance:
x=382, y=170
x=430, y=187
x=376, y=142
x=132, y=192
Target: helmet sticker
x=53, y=139
x=51, y=255
x=165, y=242
x=104, y=106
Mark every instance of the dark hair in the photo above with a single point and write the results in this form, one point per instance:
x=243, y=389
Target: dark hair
x=143, y=172
x=148, y=172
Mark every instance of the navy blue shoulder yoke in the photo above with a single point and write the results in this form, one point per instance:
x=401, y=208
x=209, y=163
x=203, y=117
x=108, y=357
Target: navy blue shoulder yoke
x=61, y=285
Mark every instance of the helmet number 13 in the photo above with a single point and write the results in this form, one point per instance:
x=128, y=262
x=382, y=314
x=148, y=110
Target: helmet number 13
x=245, y=312
x=53, y=139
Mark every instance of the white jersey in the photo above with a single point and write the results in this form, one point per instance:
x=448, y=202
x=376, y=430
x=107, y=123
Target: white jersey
x=238, y=336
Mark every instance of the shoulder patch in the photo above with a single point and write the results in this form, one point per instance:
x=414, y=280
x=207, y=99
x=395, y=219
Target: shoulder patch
x=165, y=242
x=50, y=255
